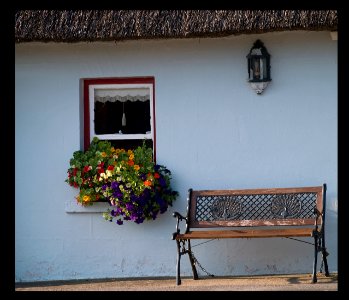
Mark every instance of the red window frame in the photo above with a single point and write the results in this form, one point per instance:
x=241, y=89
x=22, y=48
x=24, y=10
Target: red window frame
x=111, y=80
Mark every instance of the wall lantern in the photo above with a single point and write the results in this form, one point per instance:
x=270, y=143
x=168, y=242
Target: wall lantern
x=258, y=61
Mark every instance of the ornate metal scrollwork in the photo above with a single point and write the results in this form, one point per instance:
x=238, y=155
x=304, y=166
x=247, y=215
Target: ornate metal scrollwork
x=226, y=208
x=285, y=206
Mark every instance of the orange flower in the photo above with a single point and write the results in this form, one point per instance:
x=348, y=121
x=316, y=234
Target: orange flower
x=131, y=162
x=147, y=183
x=136, y=167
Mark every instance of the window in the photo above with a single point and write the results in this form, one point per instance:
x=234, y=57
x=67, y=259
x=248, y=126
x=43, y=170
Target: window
x=121, y=110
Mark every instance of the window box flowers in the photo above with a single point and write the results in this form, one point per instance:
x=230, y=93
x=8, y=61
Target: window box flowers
x=136, y=187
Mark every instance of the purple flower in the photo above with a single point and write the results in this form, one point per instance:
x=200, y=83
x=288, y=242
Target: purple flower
x=162, y=181
x=119, y=222
x=134, y=198
x=114, y=185
x=117, y=194
x=139, y=220
x=129, y=206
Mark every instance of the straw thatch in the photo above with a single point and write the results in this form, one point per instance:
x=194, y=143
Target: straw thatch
x=106, y=25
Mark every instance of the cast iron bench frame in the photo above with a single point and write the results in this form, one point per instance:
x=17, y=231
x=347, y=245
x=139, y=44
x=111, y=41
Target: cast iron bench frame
x=253, y=213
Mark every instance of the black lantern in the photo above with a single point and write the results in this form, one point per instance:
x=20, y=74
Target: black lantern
x=258, y=63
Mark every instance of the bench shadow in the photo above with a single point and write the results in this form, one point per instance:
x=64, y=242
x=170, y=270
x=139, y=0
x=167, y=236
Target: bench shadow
x=321, y=278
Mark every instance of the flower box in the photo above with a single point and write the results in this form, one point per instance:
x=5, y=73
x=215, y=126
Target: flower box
x=136, y=187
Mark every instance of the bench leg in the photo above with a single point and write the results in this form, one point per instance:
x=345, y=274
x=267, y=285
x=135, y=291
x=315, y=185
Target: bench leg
x=178, y=271
x=324, y=255
x=191, y=259
x=314, y=279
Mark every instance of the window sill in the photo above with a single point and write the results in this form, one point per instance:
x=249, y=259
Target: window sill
x=73, y=207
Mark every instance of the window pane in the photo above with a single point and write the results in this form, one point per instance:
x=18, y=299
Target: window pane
x=130, y=144
x=108, y=117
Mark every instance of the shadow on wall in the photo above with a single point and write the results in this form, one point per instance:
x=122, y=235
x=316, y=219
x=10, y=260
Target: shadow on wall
x=331, y=233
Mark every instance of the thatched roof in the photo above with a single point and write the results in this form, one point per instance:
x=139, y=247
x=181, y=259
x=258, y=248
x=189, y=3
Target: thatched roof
x=106, y=25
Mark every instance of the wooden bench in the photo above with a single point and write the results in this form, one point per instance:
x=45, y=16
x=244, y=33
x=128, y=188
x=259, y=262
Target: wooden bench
x=253, y=213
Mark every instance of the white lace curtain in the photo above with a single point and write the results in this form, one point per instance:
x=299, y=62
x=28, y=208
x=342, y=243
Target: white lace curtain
x=121, y=95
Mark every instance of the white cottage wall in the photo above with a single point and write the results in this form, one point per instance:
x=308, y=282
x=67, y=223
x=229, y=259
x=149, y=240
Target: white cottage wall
x=212, y=131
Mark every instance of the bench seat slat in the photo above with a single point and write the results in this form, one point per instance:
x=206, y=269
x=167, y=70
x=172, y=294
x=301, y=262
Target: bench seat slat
x=246, y=233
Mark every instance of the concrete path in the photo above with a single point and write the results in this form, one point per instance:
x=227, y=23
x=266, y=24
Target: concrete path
x=295, y=282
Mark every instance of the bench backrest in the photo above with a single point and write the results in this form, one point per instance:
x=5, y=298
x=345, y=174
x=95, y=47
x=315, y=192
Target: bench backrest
x=255, y=207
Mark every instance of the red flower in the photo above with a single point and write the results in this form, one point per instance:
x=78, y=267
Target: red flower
x=110, y=168
x=75, y=171
x=156, y=175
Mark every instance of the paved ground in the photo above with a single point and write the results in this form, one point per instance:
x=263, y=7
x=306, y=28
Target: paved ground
x=295, y=282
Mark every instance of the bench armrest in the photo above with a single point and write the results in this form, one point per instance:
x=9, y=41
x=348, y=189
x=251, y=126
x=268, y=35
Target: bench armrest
x=179, y=218
x=318, y=215
x=176, y=214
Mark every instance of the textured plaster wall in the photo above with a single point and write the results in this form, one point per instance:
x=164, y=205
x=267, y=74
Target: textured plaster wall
x=212, y=131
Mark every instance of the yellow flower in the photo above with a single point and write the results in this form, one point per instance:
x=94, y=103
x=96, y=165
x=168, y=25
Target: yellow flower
x=102, y=176
x=129, y=152
x=132, y=156
x=136, y=167
x=104, y=154
x=86, y=198
x=112, y=149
